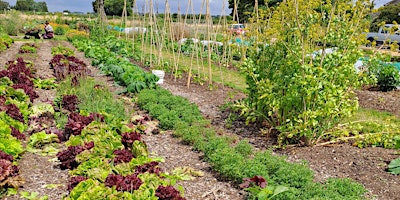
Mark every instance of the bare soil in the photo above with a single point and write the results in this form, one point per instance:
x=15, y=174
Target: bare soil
x=367, y=166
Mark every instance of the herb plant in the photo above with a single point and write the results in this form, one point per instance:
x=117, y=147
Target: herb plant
x=394, y=166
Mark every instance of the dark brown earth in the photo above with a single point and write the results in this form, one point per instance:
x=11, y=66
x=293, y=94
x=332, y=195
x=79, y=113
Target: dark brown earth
x=367, y=166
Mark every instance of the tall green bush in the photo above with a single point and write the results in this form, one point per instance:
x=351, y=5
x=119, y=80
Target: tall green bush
x=12, y=23
x=295, y=83
x=387, y=75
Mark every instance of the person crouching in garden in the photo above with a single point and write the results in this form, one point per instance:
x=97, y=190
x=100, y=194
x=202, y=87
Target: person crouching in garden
x=49, y=32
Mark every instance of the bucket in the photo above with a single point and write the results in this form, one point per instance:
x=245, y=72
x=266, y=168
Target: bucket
x=160, y=74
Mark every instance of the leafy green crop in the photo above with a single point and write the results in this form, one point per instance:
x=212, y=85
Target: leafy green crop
x=123, y=71
x=394, y=166
x=40, y=139
x=294, y=84
x=8, y=143
x=62, y=50
x=46, y=84
x=41, y=108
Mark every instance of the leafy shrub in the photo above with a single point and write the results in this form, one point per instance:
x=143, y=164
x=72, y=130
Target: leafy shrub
x=388, y=76
x=59, y=30
x=124, y=72
x=12, y=23
x=5, y=41
x=300, y=93
x=394, y=166
x=244, y=148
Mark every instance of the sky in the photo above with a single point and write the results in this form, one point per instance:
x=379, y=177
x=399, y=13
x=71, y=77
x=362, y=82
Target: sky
x=216, y=6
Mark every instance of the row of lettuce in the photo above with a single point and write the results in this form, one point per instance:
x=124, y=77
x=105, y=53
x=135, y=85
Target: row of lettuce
x=106, y=156
x=236, y=161
x=17, y=84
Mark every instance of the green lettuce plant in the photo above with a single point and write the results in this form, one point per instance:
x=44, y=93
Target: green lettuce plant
x=394, y=166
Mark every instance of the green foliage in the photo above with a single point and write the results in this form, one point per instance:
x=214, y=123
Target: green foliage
x=40, y=139
x=244, y=148
x=4, y=5
x=32, y=196
x=129, y=168
x=394, y=166
x=345, y=187
x=113, y=7
x=13, y=122
x=369, y=128
x=45, y=84
x=12, y=23
x=45, y=144
x=96, y=162
x=387, y=75
x=296, y=89
x=326, y=191
x=94, y=97
x=59, y=30
x=97, y=168
x=62, y=50
x=169, y=109
x=92, y=189
x=61, y=119
x=5, y=41
x=139, y=149
x=245, y=8
x=8, y=143
x=124, y=72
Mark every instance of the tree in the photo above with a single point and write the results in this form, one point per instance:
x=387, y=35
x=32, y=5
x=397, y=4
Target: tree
x=245, y=8
x=387, y=14
x=25, y=5
x=41, y=7
x=31, y=5
x=112, y=7
x=4, y=5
